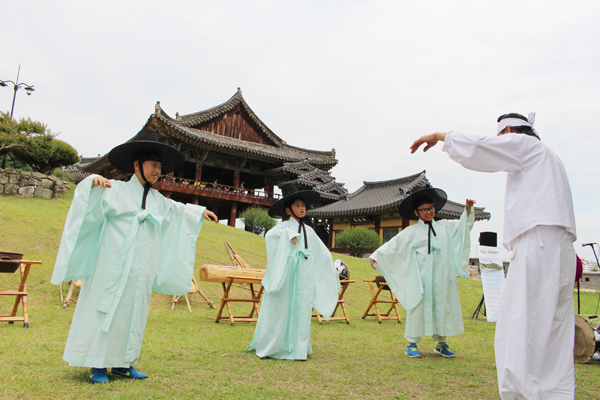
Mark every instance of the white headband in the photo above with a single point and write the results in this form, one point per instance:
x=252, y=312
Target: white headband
x=516, y=122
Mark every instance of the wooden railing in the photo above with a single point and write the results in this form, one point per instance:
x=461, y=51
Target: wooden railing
x=210, y=188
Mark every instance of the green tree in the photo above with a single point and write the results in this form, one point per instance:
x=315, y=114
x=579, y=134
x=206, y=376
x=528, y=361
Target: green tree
x=31, y=142
x=358, y=241
x=257, y=218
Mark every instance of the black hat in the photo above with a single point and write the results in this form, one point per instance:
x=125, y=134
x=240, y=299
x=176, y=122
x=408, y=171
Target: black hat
x=290, y=193
x=437, y=196
x=489, y=239
x=146, y=141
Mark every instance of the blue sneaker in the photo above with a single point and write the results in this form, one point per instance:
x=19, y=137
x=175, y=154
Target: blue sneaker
x=98, y=375
x=130, y=372
x=443, y=350
x=411, y=351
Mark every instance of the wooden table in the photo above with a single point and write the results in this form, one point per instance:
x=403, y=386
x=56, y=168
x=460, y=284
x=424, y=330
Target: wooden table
x=227, y=300
x=21, y=296
x=340, y=302
x=375, y=300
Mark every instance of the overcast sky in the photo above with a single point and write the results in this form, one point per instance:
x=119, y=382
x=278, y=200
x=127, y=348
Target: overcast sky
x=364, y=77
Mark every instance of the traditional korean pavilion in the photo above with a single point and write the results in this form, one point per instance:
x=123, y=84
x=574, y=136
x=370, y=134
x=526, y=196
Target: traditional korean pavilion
x=232, y=160
x=375, y=206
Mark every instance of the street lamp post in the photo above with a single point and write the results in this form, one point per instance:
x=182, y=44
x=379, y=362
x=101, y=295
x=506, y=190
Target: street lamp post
x=16, y=85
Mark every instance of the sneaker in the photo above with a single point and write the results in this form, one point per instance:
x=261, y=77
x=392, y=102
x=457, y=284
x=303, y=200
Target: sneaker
x=98, y=375
x=443, y=350
x=411, y=351
x=128, y=372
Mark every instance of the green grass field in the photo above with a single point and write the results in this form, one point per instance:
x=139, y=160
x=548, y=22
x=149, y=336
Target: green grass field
x=188, y=355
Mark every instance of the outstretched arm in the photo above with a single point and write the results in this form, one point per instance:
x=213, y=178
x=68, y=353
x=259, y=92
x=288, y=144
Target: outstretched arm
x=431, y=141
x=469, y=206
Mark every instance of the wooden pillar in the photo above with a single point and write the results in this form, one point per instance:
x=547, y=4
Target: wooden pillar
x=232, y=214
x=195, y=200
x=198, y=177
x=330, y=238
x=236, y=179
x=377, y=226
x=167, y=195
x=270, y=190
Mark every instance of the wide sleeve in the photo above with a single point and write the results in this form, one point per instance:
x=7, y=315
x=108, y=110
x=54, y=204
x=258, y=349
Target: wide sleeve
x=487, y=153
x=459, y=242
x=279, y=250
x=179, y=232
x=82, y=234
x=397, y=262
x=327, y=281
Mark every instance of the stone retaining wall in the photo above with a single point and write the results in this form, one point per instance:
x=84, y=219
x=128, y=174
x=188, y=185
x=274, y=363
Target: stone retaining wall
x=31, y=184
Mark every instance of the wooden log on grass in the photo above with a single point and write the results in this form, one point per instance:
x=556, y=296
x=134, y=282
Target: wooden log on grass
x=219, y=273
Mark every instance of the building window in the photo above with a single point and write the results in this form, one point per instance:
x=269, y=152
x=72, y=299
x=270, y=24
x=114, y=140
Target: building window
x=389, y=233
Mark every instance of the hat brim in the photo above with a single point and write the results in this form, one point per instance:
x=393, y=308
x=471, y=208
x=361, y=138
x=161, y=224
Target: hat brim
x=309, y=197
x=122, y=156
x=407, y=207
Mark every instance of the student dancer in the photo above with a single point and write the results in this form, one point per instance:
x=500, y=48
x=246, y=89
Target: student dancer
x=125, y=240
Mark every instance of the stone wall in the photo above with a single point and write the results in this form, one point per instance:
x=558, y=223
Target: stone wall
x=31, y=184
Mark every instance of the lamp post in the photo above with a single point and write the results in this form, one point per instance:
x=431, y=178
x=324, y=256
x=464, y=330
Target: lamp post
x=18, y=85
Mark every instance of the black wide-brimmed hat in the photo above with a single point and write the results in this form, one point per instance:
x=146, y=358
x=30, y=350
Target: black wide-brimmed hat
x=146, y=141
x=437, y=196
x=290, y=193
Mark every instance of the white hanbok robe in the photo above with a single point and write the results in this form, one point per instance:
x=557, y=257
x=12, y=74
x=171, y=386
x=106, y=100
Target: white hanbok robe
x=425, y=284
x=122, y=253
x=535, y=328
x=296, y=281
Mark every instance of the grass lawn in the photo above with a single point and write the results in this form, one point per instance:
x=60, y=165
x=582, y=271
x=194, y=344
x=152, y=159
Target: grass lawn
x=188, y=355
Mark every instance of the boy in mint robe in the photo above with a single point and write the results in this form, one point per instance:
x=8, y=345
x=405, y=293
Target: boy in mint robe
x=300, y=276
x=125, y=240
x=420, y=265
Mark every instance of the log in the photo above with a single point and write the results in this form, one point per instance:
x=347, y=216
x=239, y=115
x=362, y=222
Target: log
x=219, y=273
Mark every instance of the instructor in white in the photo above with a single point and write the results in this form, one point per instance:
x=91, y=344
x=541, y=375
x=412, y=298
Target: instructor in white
x=536, y=328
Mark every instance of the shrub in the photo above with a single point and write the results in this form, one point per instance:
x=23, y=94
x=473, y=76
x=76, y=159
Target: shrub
x=358, y=241
x=257, y=218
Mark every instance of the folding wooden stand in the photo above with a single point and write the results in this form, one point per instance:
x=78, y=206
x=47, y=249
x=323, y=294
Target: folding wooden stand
x=340, y=302
x=21, y=295
x=375, y=301
x=195, y=289
x=226, y=300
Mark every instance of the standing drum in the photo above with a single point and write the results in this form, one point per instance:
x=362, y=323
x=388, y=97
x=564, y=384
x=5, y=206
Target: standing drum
x=585, y=344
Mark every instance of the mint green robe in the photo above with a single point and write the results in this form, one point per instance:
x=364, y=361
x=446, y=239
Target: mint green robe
x=425, y=284
x=293, y=286
x=122, y=253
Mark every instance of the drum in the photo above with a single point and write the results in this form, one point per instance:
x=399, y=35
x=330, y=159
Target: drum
x=379, y=279
x=585, y=343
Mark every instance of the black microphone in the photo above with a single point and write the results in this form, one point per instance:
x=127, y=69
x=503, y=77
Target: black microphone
x=588, y=244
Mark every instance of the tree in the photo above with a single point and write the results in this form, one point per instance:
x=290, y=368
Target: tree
x=257, y=218
x=358, y=241
x=33, y=143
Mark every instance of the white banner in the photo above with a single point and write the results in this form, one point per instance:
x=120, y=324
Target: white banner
x=492, y=279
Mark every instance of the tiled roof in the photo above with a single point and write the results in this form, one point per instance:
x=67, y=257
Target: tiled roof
x=307, y=176
x=377, y=197
x=280, y=152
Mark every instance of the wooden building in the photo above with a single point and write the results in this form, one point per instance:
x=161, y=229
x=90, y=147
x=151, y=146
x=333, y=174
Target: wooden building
x=375, y=206
x=232, y=159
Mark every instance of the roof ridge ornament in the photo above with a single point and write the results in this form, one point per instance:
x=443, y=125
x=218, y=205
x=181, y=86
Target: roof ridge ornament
x=157, y=108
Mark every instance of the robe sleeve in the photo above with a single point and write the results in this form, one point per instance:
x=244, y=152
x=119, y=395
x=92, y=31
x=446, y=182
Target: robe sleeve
x=327, y=281
x=179, y=232
x=487, y=153
x=459, y=242
x=279, y=249
x=82, y=234
x=397, y=262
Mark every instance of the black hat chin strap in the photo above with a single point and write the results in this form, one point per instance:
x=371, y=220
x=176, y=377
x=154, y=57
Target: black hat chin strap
x=147, y=185
x=301, y=227
x=429, y=235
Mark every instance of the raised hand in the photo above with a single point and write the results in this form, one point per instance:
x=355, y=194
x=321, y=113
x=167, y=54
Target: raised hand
x=102, y=182
x=469, y=206
x=431, y=140
x=211, y=216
